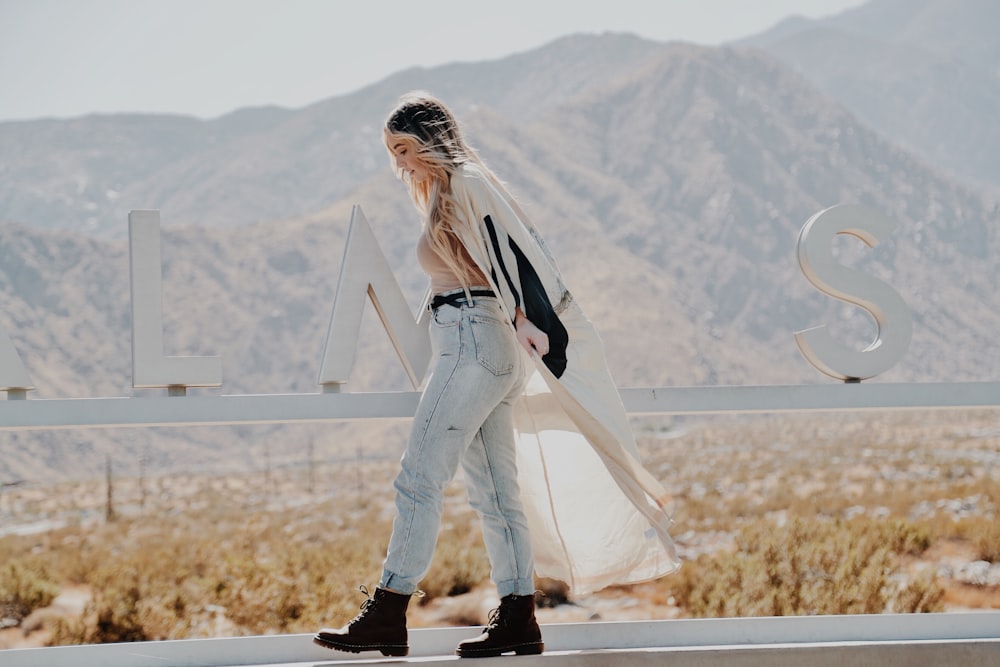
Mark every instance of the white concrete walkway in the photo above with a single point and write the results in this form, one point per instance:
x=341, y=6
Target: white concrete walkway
x=952, y=640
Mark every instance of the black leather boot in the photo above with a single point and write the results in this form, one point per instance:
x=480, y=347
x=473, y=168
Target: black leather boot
x=381, y=626
x=512, y=627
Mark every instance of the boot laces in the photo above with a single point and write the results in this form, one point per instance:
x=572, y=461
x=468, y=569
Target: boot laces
x=366, y=605
x=496, y=618
x=500, y=617
x=369, y=603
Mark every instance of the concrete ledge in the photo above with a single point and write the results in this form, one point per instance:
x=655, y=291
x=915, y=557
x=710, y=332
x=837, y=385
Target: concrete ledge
x=967, y=653
x=892, y=639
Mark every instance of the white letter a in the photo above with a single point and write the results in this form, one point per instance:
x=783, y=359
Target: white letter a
x=366, y=272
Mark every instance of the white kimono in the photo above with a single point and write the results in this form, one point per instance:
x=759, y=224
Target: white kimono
x=596, y=515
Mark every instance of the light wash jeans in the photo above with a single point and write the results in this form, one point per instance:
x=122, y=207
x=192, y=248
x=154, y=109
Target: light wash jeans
x=465, y=414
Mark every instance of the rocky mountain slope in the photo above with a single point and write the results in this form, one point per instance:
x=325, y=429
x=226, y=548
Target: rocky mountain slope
x=925, y=73
x=257, y=165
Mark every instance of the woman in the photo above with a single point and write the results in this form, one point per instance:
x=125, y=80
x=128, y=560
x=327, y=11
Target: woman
x=550, y=460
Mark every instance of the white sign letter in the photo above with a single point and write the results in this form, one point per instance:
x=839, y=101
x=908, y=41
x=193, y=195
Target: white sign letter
x=891, y=314
x=150, y=368
x=366, y=272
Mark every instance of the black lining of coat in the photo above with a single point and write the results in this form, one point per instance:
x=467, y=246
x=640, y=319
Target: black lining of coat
x=537, y=307
x=503, y=267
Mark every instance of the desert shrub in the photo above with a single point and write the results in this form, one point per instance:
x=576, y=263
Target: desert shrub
x=985, y=535
x=553, y=592
x=118, y=613
x=809, y=567
x=920, y=593
x=68, y=631
x=119, y=617
x=460, y=563
x=261, y=594
x=981, y=532
x=23, y=589
x=132, y=603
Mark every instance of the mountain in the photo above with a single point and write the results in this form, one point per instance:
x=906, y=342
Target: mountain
x=925, y=73
x=720, y=155
x=965, y=29
x=671, y=189
x=263, y=164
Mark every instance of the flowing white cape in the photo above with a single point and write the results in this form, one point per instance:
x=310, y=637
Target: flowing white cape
x=596, y=515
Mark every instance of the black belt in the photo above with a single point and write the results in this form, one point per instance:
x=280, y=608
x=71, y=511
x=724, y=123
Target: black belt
x=451, y=299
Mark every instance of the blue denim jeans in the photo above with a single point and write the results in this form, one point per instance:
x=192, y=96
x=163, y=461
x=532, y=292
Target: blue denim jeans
x=465, y=414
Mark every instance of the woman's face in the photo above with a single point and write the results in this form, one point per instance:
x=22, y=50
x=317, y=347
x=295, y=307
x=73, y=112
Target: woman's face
x=407, y=160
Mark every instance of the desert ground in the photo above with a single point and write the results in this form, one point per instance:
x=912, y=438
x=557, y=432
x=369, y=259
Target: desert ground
x=767, y=501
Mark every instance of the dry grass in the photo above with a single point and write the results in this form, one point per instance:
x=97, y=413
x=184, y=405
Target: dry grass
x=808, y=568
x=774, y=516
x=24, y=587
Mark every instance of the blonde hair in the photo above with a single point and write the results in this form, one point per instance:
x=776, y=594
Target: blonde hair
x=428, y=129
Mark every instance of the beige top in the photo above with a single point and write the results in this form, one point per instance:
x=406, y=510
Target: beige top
x=443, y=279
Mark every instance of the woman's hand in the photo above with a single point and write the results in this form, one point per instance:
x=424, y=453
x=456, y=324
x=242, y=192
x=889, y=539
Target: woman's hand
x=529, y=336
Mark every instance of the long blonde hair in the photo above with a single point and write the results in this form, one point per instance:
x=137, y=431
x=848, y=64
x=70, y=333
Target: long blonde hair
x=427, y=128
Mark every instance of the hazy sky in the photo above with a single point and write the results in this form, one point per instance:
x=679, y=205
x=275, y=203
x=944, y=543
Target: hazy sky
x=61, y=58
